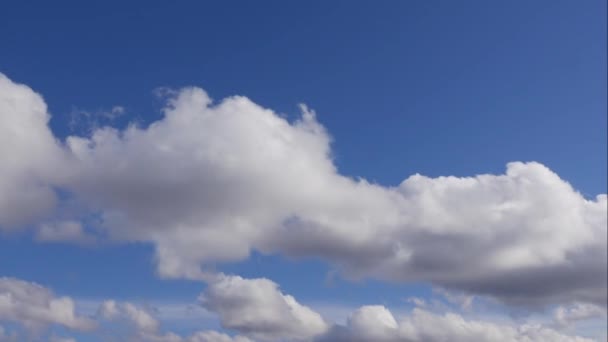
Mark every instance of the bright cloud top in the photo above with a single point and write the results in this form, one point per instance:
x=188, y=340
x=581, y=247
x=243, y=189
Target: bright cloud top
x=257, y=308
x=210, y=183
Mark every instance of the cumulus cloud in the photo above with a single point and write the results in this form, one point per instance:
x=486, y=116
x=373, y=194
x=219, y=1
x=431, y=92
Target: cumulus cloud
x=209, y=183
x=35, y=307
x=376, y=323
x=204, y=197
x=30, y=155
x=257, y=308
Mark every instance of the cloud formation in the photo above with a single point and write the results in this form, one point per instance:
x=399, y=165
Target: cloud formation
x=376, y=323
x=31, y=157
x=258, y=311
x=209, y=183
x=257, y=308
x=35, y=307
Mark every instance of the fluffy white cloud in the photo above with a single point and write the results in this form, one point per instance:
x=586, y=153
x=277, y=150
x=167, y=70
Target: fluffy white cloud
x=257, y=308
x=222, y=180
x=376, y=323
x=203, y=197
x=30, y=156
x=209, y=183
x=35, y=307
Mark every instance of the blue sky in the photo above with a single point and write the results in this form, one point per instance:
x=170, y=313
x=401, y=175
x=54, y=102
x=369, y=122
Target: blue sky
x=439, y=88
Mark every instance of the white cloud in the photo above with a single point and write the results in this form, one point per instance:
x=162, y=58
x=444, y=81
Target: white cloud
x=209, y=183
x=142, y=319
x=376, y=323
x=35, y=307
x=257, y=308
x=30, y=156
x=200, y=189
x=109, y=309
x=222, y=180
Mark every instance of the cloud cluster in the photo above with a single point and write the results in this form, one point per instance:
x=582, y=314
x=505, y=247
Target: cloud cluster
x=209, y=183
x=257, y=308
x=376, y=323
x=258, y=311
x=35, y=307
